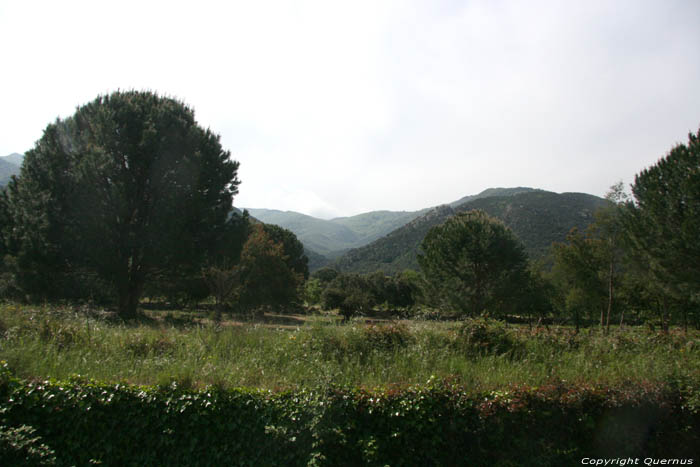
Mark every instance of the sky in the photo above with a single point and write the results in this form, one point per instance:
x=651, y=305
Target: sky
x=334, y=108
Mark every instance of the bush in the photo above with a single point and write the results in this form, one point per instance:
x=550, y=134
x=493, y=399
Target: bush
x=432, y=424
x=21, y=446
x=483, y=336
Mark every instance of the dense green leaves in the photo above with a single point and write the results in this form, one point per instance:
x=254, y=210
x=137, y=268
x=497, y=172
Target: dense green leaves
x=474, y=263
x=664, y=222
x=84, y=422
x=128, y=188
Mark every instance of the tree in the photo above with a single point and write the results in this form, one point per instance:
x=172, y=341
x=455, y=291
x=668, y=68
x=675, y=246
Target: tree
x=350, y=294
x=325, y=275
x=663, y=222
x=128, y=188
x=577, y=271
x=608, y=227
x=266, y=277
x=473, y=262
x=292, y=248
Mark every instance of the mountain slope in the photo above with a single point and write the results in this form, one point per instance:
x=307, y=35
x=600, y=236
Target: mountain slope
x=9, y=166
x=372, y=225
x=14, y=158
x=7, y=170
x=537, y=217
x=397, y=250
x=332, y=238
x=489, y=192
x=321, y=236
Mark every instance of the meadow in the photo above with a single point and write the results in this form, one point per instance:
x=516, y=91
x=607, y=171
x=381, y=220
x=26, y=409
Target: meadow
x=291, y=352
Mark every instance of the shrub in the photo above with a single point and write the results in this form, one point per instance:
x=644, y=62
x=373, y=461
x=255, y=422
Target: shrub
x=387, y=336
x=432, y=424
x=482, y=336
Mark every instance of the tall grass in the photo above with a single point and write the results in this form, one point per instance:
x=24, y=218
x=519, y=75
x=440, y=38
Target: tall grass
x=50, y=342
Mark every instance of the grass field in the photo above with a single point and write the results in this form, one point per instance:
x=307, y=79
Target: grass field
x=297, y=351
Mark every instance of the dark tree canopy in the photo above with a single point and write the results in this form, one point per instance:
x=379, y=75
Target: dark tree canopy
x=664, y=222
x=266, y=276
x=292, y=248
x=473, y=262
x=127, y=188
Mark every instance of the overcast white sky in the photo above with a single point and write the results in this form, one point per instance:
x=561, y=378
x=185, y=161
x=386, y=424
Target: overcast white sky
x=336, y=108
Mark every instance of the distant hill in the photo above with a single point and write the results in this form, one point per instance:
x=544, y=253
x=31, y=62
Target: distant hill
x=14, y=158
x=332, y=238
x=9, y=166
x=375, y=224
x=489, y=192
x=322, y=236
x=396, y=251
x=537, y=217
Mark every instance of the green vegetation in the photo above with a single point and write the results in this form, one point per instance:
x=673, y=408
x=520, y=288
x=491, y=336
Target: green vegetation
x=127, y=189
x=433, y=424
x=427, y=390
x=473, y=263
x=293, y=351
x=126, y=206
x=536, y=217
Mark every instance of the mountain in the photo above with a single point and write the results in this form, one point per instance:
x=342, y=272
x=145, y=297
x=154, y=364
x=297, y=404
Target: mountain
x=537, y=218
x=397, y=250
x=489, y=192
x=331, y=238
x=14, y=158
x=9, y=166
x=372, y=225
x=322, y=236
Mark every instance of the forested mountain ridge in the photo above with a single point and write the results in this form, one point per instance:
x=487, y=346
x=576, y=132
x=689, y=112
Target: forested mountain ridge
x=322, y=236
x=332, y=238
x=9, y=166
x=537, y=218
x=492, y=192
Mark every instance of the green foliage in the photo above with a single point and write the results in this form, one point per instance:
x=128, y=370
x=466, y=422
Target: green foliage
x=663, y=224
x=435, y=423
x=292, y=249
x=313, y=291
x=349, y=293
x=481, y=336
x=577, y=267
x=189, y=348
x=325, y=275
x=268, y=275
x=536, y=217
x=474, y=263
x=21, y=446
x=128, y=188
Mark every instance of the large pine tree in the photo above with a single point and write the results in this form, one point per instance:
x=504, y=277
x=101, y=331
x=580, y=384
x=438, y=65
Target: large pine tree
x=474, y=263
x=664, y=221
x=127, y=188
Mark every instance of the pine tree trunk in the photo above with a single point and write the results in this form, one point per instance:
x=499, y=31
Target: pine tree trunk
x=129, y=297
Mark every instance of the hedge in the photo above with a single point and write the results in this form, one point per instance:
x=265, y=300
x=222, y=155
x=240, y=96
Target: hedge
x=82, y=422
